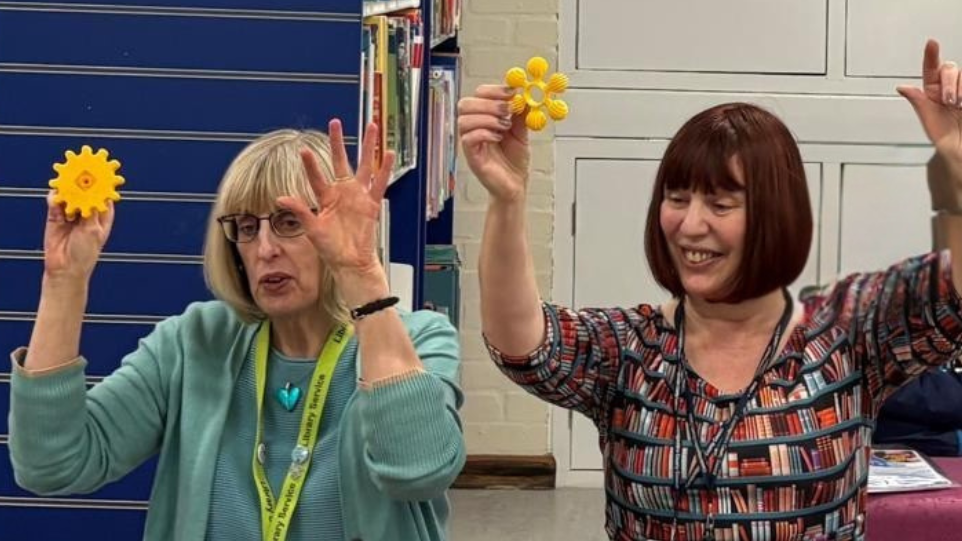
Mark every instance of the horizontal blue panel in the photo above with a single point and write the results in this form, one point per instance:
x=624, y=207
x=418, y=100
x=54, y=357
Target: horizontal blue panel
x=210, y=43
x=143, y=227
x=51, y=524
x=314, y=6
x=102, y=344
x=162, y=103
x=116, y=288
x=133, y=486
x=147, y=165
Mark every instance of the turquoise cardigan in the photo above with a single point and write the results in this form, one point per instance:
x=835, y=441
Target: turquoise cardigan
x=401, y=443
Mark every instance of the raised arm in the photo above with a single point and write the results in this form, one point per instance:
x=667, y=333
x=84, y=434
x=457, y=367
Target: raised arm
x=414, y=447
x=64, y=439
x=938, y=105
x=71, y=250
x=496, y=148
x=565, y=357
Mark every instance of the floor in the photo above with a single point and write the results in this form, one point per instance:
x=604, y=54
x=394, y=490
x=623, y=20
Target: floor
x=530, y=515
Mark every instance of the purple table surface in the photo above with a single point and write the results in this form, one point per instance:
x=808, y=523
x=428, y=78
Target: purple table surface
x=922, y=515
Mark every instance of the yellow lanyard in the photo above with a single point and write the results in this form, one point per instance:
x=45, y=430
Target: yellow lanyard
x=276, y=519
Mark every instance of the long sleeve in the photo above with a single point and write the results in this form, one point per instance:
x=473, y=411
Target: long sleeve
x=410, y=423
x=66, y=439
x=577, y=364
x=900, y=321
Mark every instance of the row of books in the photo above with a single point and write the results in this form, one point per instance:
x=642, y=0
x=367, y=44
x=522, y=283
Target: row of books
x=441, y=162
x=747, y=501
x=658, y=422
x=661, y=391
x=756, y=530
x=780, y=459
x=446, y=19
x=392, y=56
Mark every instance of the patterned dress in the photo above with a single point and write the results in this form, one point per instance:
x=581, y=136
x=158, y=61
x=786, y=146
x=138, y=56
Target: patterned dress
x=797, y=464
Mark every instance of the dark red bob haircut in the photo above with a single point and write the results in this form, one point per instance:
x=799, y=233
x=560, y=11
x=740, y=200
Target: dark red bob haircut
x=779, y=213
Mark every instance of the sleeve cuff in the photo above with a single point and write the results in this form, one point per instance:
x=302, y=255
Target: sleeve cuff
x=19, y=356
x=390, y=380
x=540, y=354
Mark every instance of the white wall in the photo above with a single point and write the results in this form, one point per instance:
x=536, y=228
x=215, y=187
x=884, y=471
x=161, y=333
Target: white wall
x=496, y=35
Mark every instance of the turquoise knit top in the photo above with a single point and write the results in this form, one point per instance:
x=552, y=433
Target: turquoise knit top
x=399, y=443
x=234, y=492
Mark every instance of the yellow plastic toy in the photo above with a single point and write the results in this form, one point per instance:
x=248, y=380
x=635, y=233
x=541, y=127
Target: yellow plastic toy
x=538, y=95
x=86, y=181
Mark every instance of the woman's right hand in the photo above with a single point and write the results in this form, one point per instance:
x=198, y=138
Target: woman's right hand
x=495, y=142
x=72, y=246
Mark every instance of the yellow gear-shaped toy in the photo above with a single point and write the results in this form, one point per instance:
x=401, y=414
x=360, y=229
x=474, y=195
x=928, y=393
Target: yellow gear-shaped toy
x=86, y=181
x=539, y=95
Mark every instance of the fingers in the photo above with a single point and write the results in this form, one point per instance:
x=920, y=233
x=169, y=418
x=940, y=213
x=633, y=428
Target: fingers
x=494, y=92
x=483, y=106
x=342, y=167
x=55, y=213
x=319, y=183
x=486, y=116
x=494, y=124
x=365, y=167
x=297, y=206
x=949, y=77
x=476, y=137
x=931, y=63
x=915, y=95
x=106, y=219
x=958, y=89
x=380, y=181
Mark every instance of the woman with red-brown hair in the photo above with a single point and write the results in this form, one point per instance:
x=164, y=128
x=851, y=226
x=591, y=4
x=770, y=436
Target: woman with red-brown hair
x=726, y=413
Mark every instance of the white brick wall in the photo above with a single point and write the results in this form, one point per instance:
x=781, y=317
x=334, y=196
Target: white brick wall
x=495, y=36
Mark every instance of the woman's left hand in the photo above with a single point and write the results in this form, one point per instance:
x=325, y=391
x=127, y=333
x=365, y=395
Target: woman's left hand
x=938, y=103
x=344, y=229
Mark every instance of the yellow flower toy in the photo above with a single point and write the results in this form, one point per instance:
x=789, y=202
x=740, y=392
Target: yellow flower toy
x=86, y=181
x=538, y=95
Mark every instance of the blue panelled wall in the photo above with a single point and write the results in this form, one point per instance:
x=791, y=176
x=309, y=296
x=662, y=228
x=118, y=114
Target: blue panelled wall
x=173, y=89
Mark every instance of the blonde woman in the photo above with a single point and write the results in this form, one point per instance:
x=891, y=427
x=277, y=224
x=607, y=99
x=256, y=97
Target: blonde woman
x=299, y=405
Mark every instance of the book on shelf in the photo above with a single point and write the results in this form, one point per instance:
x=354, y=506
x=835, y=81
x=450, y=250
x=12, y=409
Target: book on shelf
x=378, y=7
x=383, y=240
x=392, y=49
x=445, y=19
x=444, y=88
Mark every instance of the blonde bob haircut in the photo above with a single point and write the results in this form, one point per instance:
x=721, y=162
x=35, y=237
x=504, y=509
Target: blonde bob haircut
x=267, y=168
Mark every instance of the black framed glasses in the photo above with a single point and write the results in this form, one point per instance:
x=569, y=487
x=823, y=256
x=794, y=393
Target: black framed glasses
x=243, y=227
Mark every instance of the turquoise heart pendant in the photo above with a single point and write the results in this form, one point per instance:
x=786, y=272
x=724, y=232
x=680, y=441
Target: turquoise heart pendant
x=288, y=396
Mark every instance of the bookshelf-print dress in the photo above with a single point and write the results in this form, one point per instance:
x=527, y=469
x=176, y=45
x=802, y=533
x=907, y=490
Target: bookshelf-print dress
x=796, y=466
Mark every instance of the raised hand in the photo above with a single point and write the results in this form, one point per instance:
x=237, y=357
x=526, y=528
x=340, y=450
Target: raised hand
x=495, y=144
x=938, y=103
x=344, y=229
x=72, y=246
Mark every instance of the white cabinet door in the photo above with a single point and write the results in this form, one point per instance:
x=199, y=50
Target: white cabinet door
x=885, y=216
x=898, y=53
x=609, y=267
x=735, y=36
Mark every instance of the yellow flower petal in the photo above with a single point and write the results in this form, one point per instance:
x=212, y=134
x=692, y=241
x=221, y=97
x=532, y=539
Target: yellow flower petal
x=536, y=120
x=516, y=78
x=558, y=83
x=537, y=67
x=558, y=109
x=518, y=104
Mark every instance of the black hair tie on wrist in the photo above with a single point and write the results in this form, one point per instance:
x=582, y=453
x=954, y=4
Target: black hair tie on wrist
x=375, y=306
